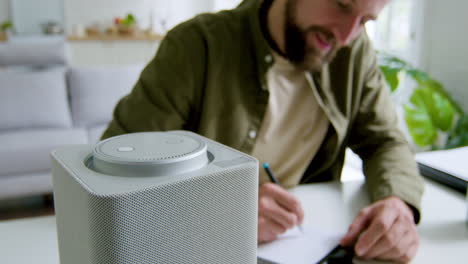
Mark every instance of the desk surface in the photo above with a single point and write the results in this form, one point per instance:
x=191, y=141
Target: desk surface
x=443, y=229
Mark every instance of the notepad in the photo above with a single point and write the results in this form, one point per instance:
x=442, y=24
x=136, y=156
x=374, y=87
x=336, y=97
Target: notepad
x=446, y=166
x=452, y=161
x=295, y=247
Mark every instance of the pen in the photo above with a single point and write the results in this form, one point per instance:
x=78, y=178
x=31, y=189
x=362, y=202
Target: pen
x=274, y=180
x=338, y=254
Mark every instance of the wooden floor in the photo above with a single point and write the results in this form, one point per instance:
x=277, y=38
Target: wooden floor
x=26, y=207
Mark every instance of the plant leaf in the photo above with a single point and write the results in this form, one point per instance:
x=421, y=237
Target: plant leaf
x=431, y=109
x=440, y=109
x=419, y=76
x=420, y=125
x=462, y=125
x=459, y=136
x=6, y=25
x=391, y=76
x=442, y=112
x=440, y=89
x=458, y=141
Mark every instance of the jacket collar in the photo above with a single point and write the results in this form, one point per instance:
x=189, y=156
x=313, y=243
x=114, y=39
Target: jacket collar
x=263, y=53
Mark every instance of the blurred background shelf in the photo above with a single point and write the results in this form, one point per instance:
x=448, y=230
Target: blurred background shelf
x=111, y=38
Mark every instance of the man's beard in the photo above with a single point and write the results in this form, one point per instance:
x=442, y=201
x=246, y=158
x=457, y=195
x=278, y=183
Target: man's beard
x=296, y=49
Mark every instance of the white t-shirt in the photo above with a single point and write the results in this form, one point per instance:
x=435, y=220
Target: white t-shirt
x=294, y=125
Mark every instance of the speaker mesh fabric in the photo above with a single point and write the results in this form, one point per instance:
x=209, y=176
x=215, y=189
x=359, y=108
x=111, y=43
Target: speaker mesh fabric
x=204, y=219
x=71, y=209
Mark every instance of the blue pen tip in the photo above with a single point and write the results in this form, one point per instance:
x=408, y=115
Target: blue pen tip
x=266, y=165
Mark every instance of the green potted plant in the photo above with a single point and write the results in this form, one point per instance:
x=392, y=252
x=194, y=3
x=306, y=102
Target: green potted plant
x=433, y=118
x=5, y=29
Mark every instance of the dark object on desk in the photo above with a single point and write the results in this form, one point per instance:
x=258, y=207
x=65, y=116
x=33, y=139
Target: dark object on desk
x=338, y=255
x=443, y=177
x=264, y=261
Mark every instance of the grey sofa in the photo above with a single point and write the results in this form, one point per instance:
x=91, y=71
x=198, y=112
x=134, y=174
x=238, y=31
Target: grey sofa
x=44, y=107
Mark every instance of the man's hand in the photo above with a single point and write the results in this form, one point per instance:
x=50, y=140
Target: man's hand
x=384, y=230
x=278, y=211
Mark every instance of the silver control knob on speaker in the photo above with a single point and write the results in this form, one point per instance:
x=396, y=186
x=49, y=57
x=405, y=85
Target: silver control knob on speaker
x=150, y=154
x=156, y=197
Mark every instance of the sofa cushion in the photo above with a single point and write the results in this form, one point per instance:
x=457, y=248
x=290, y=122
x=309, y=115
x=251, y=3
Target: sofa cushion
x=34, y=52
x=95, y=91
x=95, y=133
x=34, y=99
x=29, y=151
x=23, y=185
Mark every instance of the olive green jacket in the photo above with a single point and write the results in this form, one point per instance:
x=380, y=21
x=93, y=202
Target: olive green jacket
x=209, y=76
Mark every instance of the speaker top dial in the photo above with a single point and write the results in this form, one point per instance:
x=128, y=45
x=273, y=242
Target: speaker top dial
x=150, y=154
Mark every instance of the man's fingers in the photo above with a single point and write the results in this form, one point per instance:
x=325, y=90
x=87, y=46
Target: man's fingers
x=404, y=251
x=278, y=211
x=382, y=223
x=387, y=232
x=388, y=240
x=270, y=209
x=268, y=230
x=410, y=253
x=285, y=199
x=271, y=225
x=359, y=224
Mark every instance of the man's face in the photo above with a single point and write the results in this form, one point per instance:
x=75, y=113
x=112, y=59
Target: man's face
x=316, y=29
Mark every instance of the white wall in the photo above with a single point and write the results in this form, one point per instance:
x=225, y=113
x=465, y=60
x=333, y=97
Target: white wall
x=103, y=12
x=29, y=16
x=225, y=4
x=181, y=10
x=4, y=10
x=445, y=46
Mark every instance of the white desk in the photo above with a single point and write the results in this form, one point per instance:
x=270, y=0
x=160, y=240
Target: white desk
x=443, y=230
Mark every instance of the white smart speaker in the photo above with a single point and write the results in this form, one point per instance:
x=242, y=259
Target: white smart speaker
x=156, y=197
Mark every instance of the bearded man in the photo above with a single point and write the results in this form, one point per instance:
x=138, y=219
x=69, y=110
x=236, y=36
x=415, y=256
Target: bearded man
x=293, y=83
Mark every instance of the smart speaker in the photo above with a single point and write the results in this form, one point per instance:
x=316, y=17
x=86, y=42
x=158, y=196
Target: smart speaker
x=156, y=197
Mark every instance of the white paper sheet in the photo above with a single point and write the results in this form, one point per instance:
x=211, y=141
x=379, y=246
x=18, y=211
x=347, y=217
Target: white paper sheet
x=453, y=161
x=295, y=247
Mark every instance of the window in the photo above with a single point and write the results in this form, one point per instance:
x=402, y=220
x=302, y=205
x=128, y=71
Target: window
x=225, y=4
x=397, y=29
